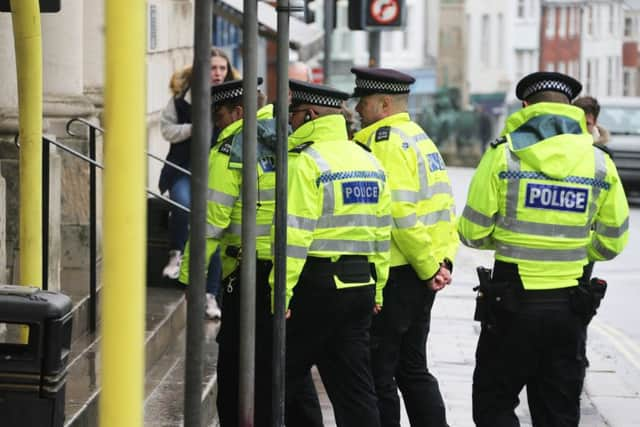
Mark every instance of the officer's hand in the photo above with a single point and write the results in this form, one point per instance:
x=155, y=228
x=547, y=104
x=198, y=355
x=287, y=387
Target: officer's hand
x=287, y=314
x=377, y=308
x=441, y=279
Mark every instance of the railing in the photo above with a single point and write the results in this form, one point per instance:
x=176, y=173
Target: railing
x=93, y=244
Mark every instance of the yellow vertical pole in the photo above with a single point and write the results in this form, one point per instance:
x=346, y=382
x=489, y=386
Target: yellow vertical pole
x=123, y=295
x=25, y=15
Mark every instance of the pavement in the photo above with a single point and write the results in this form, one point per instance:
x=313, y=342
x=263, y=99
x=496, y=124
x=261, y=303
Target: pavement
x=611, y=396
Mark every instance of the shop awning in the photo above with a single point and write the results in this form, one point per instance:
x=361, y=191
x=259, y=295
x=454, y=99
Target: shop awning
x=306, y=39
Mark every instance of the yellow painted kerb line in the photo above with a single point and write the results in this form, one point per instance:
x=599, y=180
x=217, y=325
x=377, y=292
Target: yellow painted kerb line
x=25, y=15
x=624, y=344
x=123, y=293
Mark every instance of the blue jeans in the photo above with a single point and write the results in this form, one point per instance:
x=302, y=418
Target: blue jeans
x=214, y=273
x=180, y=192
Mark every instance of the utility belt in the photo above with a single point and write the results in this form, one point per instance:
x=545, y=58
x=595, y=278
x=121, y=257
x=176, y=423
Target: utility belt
x=233, y=279
x=502, y=293
x=348, y=269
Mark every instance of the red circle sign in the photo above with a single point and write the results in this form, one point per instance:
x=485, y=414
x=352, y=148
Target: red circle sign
x=384, y=11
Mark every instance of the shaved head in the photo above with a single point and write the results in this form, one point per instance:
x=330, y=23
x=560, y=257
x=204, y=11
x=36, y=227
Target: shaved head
x=299, y=71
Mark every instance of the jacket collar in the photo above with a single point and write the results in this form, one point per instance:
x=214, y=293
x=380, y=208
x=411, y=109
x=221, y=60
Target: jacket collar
x=364, y=134
x=332, y=127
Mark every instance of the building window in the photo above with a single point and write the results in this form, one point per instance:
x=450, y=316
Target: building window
x=609, y=76
x=590, y=20
x=612, y=18
x=485, y=40
x=562, y=23
x=571, y=21
x=562, y=67
x=549, y=66
x=550, y=30
x=521, y=11
x=628, y=27
x=588, y=79
x=501, y=49
x=626, y=83
x=520, y=71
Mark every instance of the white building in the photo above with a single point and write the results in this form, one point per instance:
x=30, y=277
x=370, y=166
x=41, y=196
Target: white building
x=602, y=39
x=503, y=44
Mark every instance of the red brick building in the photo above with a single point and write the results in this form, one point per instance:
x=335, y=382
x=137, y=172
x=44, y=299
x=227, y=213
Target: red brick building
x=560, y=24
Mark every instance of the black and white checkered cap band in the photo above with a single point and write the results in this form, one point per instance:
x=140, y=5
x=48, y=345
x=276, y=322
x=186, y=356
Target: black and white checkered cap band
x=543, y=85
x=301, y=97
x=224, y=95
x=378, y=85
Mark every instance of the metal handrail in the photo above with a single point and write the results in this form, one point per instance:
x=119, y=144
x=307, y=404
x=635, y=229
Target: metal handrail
x=98, y=128
x=93, y=164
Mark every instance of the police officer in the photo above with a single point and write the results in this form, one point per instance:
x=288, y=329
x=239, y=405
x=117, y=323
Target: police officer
x=423, y=244
x=549, y=203
x=224, y=215
x=338, y=227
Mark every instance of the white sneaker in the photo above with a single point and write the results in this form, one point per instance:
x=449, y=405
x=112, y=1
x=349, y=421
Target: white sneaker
x=172, y=269
x=212, y=310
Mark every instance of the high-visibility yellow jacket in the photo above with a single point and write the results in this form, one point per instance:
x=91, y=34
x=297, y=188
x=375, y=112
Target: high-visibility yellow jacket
x=546, y=199
x=338, y=202
x=424, y=225
x=224, y=195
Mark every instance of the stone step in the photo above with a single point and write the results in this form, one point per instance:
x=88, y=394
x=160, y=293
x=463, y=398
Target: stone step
x=165, y=321
x=165, y=383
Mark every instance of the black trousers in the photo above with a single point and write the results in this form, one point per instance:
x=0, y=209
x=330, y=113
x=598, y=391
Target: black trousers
x=329, y=328
x=398, y=349
x=542, y=346
x=305, y=407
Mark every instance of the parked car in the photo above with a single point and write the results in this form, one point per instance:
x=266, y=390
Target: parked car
x=621, y=117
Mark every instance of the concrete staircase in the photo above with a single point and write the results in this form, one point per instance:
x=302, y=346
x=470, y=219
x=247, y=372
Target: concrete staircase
x=165, y=360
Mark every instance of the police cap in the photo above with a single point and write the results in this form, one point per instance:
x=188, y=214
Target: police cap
x=547, y=81
x=228, y=91
x=370, y=81
x=315, y=94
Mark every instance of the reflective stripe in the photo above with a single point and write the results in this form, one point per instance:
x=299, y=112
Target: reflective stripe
x=410, y=196
x=536, y=254
x=353, y=221
x=329, y=194
x=599, y=175
x=349, y=246
x=261, y=229
x=475, y=243
x=301, y=223
x=422, y=168
x=612, y=232
x=476, y=217
x=513, y=186
x=541, y=229
x=299, y=252
x=221, y=198
x=213, y=232
x=267, y=195
x=406, y=222
x=602, y=250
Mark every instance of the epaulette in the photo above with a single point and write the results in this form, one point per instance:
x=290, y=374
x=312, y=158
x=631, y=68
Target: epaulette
x=364, y=147
x=225, y=146
x=498, y=141
x=383, y=133
x=605, y=149
x=300, y=148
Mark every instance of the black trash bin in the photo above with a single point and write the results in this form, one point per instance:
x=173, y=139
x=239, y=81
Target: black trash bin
x=35, y=338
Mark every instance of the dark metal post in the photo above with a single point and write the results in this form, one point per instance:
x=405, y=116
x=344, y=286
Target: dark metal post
x=280, y=244
x=374, y=48
x=93, y=241
x=45, y=214
x=329, y=10
x=246, y=390
x=201, y=137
